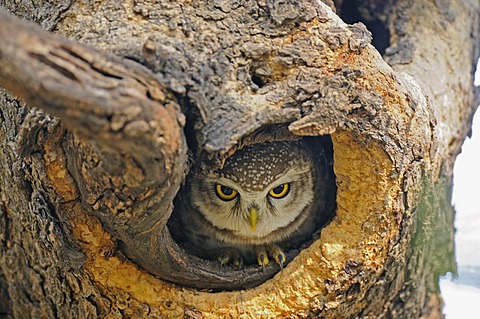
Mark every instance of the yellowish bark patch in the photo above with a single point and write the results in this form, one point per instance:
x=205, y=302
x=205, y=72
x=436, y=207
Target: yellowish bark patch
x=361, y=233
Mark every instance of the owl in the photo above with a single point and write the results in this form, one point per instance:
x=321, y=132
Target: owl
x=265, y=199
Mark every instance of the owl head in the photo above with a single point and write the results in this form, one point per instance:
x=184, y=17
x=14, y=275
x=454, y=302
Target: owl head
x=263, y=193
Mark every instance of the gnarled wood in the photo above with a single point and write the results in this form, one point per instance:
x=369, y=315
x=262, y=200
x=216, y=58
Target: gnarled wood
x=241, y=73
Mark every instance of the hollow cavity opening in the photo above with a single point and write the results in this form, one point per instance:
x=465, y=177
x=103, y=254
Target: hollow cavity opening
x=353, y=11
x=215, y=226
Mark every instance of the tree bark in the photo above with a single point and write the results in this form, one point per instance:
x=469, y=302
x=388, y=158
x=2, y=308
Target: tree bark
x=87, y=189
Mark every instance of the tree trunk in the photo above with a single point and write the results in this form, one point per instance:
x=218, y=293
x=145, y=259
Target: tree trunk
x=91, y=167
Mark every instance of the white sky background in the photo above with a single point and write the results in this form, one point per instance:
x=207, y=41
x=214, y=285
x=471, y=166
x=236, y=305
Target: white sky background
x=462, y=294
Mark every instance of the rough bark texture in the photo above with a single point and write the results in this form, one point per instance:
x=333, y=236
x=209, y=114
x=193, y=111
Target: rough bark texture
x=85, y=196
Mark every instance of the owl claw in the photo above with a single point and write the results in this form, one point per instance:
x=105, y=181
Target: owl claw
x=277, y=254
x=223, y=259
x=263, y=261
x=280, y=260
x=238, y=262
x=262, y=256
x=230, y=256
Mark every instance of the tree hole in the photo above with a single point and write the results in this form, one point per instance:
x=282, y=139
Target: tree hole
x=353, y=11
x=257, y=80
x=197, y=204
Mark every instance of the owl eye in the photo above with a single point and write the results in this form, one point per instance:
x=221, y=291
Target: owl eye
x=225, y=193
x=280, y=191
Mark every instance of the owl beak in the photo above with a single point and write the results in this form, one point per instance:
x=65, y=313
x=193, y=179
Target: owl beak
x=253, y=218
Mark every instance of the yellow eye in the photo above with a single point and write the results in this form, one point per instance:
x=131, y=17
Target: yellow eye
x=225, y=193
x=280, y=191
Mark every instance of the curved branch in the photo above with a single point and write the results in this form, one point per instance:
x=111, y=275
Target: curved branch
x=116, y=102
x=138, y=158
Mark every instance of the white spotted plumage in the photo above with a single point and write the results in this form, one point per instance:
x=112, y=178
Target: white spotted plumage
x=214, y=225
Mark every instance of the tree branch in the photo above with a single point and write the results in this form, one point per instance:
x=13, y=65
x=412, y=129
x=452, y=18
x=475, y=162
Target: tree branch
x=114, y=101
x=137, y=127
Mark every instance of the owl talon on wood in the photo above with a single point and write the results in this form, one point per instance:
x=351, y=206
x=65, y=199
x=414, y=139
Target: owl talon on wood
x=277, y=254
x=238, y=262
x=262, y=256
x=230, y=256
x=223, y=259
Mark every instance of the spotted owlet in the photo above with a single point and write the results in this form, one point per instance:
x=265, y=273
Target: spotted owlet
x=265, y=199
